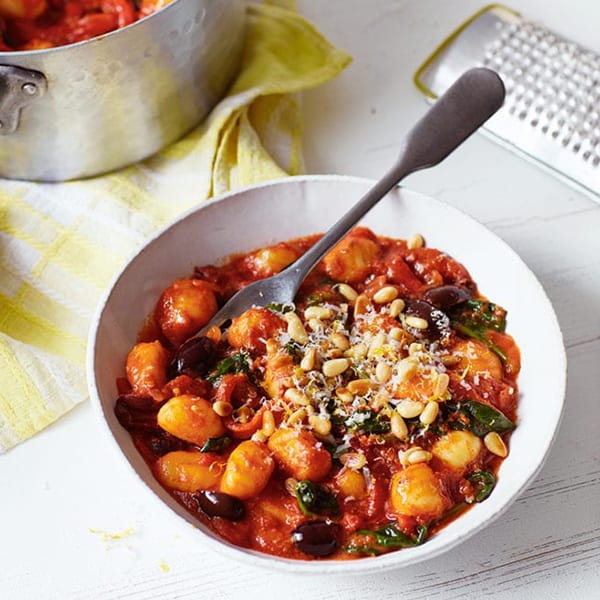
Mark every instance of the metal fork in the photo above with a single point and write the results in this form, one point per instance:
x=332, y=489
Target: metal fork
x=458, y=113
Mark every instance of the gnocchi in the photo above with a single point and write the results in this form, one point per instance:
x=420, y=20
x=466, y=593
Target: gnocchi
x=416, y=492
x=146, y=368
x=300, y=454
x=189, y=470
x=383, y=397
x=190, y=418
x=184, y=308
x=248, y=470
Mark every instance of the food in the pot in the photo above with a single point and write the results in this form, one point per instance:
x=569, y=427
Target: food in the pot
x=38, y=24
x=356, y=421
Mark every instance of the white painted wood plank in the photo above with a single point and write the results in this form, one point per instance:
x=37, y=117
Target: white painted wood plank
x=57, y=486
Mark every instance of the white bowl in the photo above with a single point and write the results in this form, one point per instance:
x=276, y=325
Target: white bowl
x=265, y=214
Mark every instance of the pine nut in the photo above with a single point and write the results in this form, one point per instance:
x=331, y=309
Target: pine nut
x=259, y=436
x=290, y=485
x=297, y=416
x=430, y=413
x=399, y=428
x=416, y=322
x=348, y=292
x=268, y=423
x=361, y=305
x=321, y=424
x=223, y=409
x=335, y=366
x=397, y=334
x=357, y=352
x=318, y=312
x=407, y=367
x=353, y=460
x=396, y=307
x=244, y=414
x=344, y=395
x=360, y=387
x=415, y=241
x=377, y=343
x=383, y=372
x=309, y=359
x=295, y=328
x=334, y=353
x=380, y=400
x=339, y=340
x=441, y=384
x=316, y=325
x=418, y=455
x=409, y=409
x=385, y=294
x=296, y=397
x=495, y=444
x=415, y=348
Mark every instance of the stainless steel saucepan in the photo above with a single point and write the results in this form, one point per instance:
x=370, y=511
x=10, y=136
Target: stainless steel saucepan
x=88, y=108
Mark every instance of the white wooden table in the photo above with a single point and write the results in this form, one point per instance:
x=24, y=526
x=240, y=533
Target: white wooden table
x=73, y=524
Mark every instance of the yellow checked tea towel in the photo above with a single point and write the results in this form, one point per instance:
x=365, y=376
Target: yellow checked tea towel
x=61, y=244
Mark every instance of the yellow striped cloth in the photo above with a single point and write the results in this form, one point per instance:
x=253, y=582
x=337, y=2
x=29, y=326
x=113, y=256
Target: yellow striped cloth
x=61, y=244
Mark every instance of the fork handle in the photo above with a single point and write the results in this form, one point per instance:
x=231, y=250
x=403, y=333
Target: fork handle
x=459, y=112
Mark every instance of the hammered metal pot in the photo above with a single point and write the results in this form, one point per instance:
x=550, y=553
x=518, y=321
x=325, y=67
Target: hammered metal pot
x=88, y=108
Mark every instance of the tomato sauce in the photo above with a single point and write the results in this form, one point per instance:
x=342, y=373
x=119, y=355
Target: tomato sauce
x=38, y=24
x=358, y=420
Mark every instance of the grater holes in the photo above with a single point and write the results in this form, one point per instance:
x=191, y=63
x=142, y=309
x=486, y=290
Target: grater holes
x=552, y=86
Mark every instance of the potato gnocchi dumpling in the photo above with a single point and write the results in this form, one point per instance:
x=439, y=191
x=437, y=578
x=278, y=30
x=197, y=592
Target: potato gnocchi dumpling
x=355, y=420
x=184, y=308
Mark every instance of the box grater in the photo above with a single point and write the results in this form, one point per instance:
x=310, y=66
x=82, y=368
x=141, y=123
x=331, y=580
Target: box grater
x=552, y=108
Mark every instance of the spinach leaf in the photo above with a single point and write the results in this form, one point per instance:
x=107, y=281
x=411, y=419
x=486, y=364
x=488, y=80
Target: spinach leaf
x=479, y=315
x=216, y=444
x=479, y=418
x=235, y=363
x=314, y=499
x=489, y=417
x=475, y=317
x=368, y=421
x=316, y=299
x=390, y=536
x=280, y=309
x=484, y=483
x=295, y=350
x=482, y=338
x=363, y=549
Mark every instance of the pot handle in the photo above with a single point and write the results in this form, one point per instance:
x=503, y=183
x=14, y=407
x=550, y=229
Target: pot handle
x=18, y=88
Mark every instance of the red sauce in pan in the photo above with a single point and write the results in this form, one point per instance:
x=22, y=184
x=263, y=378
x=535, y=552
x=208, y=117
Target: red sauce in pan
x=39, y=24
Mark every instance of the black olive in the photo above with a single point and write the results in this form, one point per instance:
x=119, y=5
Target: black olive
x=219, y=504
x=137, y=414
x=446, y=296
x=317, y=538
x=195, y=357
x=161, y=442
x=438, y=321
